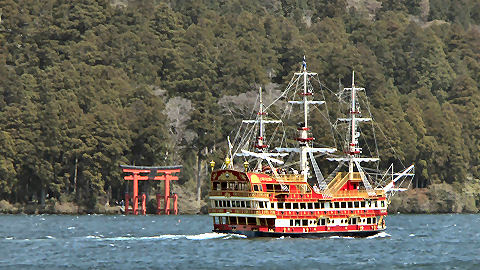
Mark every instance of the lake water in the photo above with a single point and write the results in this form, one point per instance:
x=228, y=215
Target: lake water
x=186, y=242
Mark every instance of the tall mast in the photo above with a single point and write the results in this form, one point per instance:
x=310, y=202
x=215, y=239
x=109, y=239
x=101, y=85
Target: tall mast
x=261, y=152
x=304, y=132
x=353, y=142
x=304, y=139
x=353, y=150
x=262, y=129
x=305, y=103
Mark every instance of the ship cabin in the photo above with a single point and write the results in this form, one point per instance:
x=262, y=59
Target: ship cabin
x=286, y=203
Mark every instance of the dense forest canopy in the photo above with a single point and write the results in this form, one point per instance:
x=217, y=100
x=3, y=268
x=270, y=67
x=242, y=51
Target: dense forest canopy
x=87, y=85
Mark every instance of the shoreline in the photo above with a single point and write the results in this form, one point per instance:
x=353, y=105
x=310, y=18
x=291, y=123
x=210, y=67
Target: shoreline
x=436, y=199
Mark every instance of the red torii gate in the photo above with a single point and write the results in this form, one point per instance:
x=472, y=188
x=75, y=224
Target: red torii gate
x=142, y=173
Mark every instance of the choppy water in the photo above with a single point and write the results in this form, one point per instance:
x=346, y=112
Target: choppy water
x=186, y=242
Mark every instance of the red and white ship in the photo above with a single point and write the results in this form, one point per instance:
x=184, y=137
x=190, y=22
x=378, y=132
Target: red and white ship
x=274, y=197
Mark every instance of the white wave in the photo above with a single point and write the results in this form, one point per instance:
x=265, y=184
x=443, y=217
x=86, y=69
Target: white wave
x=9, y=238
x=379, y=235
x=341, y=237
x=206, y=236
x=203, y=236
x=49, y=237
x=411, y=235
x=70, y=228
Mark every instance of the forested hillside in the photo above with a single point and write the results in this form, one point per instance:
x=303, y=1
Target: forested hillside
x=88, y=85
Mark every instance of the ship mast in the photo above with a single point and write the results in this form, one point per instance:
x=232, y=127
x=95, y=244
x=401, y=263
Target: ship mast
x=260, y=144
x=303, y=138
x=353, y=143
x=353, y=151
x=261, y=152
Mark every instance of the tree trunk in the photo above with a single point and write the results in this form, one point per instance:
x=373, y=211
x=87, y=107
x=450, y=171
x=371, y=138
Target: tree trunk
x=42, y=196
x=199, y=183
x=75, y=174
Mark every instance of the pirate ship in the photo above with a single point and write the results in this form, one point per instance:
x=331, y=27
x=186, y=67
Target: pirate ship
x=287, y=198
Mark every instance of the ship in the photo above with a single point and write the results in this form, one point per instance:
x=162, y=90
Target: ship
x=284, y=193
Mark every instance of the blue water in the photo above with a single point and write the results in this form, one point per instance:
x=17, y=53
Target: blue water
x=186, y=242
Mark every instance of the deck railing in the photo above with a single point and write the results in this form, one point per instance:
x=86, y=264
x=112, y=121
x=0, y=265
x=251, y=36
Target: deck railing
x=229, y=193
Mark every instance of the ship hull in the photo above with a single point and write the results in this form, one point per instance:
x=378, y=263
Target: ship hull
x=253, y=234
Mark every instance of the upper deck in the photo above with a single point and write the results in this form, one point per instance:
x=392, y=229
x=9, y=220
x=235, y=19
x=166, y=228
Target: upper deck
x=261, y=185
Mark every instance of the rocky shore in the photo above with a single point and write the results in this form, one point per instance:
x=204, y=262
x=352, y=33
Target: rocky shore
x=438, y=198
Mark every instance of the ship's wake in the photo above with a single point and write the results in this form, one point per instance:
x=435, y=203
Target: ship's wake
x=379, y=235
x=202, y=236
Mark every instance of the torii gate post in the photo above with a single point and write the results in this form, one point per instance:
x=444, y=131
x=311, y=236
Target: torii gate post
x=142, y=173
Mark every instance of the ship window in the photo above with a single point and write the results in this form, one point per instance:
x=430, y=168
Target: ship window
x=269, y=187
x=341, y=221
x=375, y=204
x=322, y=205
x=337, y=205
x=310, y=205
x=344, y=204
x=324, y=221
x=238, y=203
x=229, y=204
x=369, y=203
x=303, y=205
x=383, y=204
x=374, y=220
x=224, y=185
x=369, y=220
x=242, y=204
x=272, y=205
x=280, y=205
x=291, y=222
x=251, y=221
x=316, y=205
x=362, y=203
x=295, y=205
x=288, y=205
x=255, y=187
x=304, y=222
x=247, y=204
x=216, y=203
x=357, y=204
x=242, y=221
x=297, y=222
x=350, y=204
